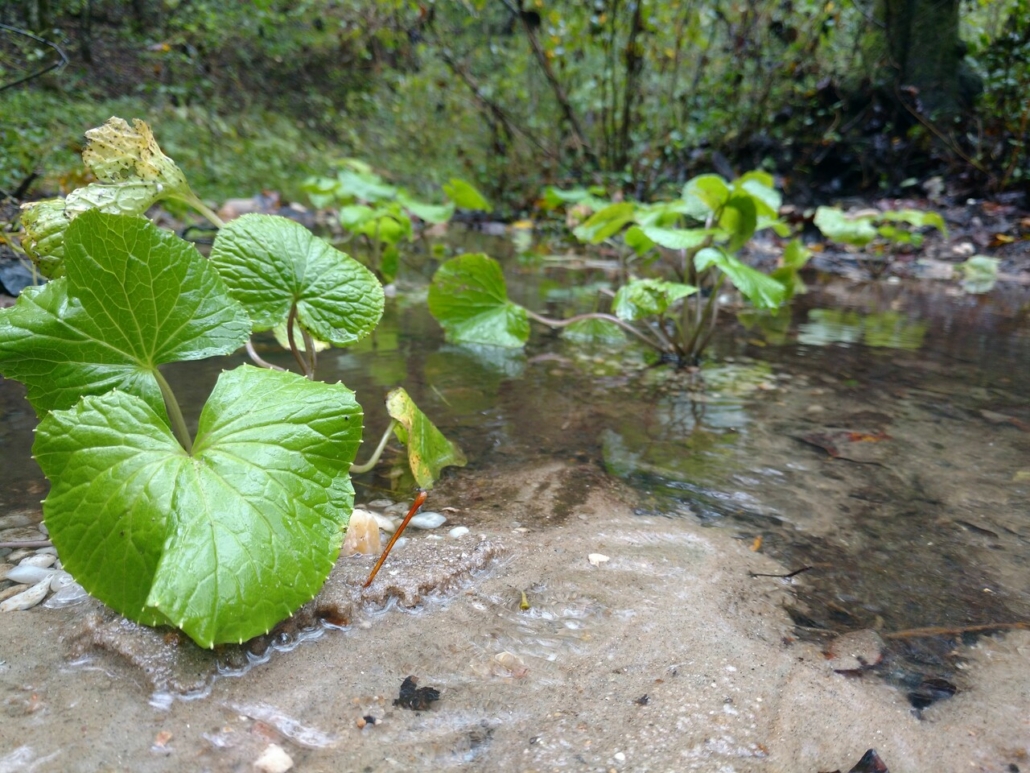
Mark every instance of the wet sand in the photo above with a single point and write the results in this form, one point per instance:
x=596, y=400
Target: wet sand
x=673, y=614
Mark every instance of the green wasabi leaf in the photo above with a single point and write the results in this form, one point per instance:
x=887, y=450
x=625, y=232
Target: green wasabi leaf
x=270, y=263
x=606, y=223
x=223, y=543
x=979, y=274
x=134, y=297
x=466, y=196
x=594, y=331
x=760, y=187
x=763, y=291
x=430, y=213
x=710, y=190
x=739, y=218
x=641, y=298
x=835, y=225
x=44, y=224
x=428, y=450
x=677, y=238
x=469, y=298
x=637, y=240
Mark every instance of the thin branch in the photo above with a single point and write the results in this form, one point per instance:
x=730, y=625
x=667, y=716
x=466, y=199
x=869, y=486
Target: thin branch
x=62, y=61
x=559, y=323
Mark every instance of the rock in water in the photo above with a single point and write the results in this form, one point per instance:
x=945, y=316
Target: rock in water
x=362, y=535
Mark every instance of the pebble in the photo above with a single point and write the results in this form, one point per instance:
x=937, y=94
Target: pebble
x=14, y=590
x=11, y=520
x=458, y=531
x=27, y=575
x=428, y=520
x=596, y=559
x=362, y=534
x=27, y=598
x=380, y=504
x=39, y=559
x=60, y=579
x=69, y=594
x=273, y=760
x=386, y=524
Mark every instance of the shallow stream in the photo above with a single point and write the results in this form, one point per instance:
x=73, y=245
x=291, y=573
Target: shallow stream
x=875, y=442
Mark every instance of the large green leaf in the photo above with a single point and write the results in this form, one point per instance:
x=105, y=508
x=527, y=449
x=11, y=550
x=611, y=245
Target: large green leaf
x=647, y=297
x=710, y=190
x=760, y=186
x=466, y=196
x=428, y=450
x=594, y=331
x=134, y=297
x=430, y=213
x=763, y=291
x=270, y=263
x=225, y=543
x=469, y=298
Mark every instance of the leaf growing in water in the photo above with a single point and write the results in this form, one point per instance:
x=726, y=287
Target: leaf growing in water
x=428, y=450
x=469, y=298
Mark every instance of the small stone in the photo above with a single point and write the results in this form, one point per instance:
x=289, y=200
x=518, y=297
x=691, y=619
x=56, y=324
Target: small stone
x=362, y=535
x=428, y=520
x=28, y=598
x=596, y=559
x=11, y=520
x=380, y=504
x=60, y=579
x=38, y=559
x=619, y=757
x=70, y=594
x=458, y=532
x=14, y=590
x=386, y=524
x=273, y=760
x=28, y=575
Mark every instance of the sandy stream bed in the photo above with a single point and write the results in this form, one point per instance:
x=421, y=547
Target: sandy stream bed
x=673, y=615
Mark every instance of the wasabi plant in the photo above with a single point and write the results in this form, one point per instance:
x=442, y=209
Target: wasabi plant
x=879, y=235
x=381, y=213
x=672, y=304
x=227, y=532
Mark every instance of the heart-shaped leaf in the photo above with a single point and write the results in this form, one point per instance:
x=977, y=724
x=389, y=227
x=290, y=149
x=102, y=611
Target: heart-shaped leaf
x=837, y=226
x=675, y=238
x=469, y=298
x=223, y=543
x=594, y=331
x=134, y=297
x=762, y=290
x=606, y=223
x=428, y=450
x=270, y=263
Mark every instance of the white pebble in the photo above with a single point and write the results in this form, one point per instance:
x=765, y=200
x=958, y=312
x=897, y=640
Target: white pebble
x=428, y=520
x=458, y=531
x=38, y=559
x=596, y=559
x=380, y=504
x=273, y=760
x=27, y=598
x=59, y=580
x=28, y=575
x=386, y=524
x=68, y=595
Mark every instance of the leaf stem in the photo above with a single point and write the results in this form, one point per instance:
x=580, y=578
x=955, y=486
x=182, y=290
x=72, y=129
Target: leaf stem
x=252, y=353
x=194, y=201
x=557, y=323
x=293, y=343
x=309, y=348
x=174, y=412
x=357, y=469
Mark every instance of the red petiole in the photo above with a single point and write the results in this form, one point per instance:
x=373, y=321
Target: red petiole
x=419, y=501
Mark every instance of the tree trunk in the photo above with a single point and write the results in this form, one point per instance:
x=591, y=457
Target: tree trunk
x=922, y=41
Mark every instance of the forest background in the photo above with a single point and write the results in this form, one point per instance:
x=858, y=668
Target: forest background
x=834, y=96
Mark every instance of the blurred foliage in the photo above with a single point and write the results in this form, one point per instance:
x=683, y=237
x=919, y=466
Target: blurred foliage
x=633, y=95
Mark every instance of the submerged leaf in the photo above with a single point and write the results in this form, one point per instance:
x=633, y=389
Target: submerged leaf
x=469, y=299
x=225, y=543
x=271, y=263
x=134, y=297
x=589, y=331
x=428, y=450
